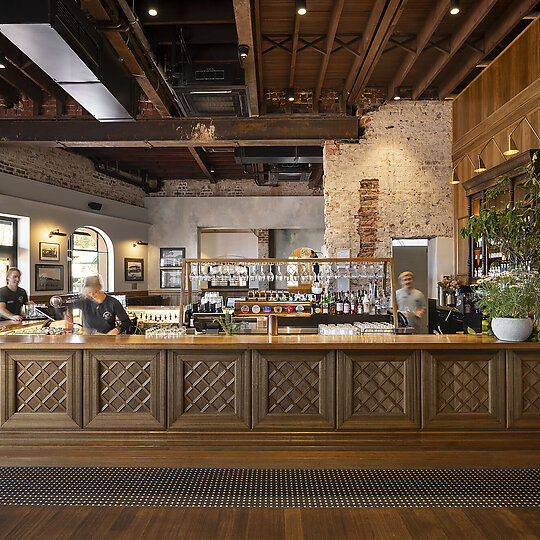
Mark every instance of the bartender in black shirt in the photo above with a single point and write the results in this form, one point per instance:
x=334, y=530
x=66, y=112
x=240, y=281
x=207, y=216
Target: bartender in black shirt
x=101, y=311
x=12, y=297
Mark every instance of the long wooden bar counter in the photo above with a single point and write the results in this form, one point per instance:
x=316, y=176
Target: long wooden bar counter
x=65, y=386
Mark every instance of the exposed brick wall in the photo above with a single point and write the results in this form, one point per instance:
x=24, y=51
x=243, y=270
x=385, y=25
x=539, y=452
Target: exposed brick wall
x=64, y=169
x=232, y=188
x=263, y=243
x=394, y=183
x=368, y=216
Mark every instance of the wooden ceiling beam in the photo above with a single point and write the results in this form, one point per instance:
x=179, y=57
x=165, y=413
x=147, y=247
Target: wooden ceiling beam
x=427, y=31
x=202, y=164
x=294, y=49
x=513, y=15
x=363, y=46
x=481, y=9
x=244, y=29
x=13, y=76
x=9, y=92
x=258, y=43
x=182, y=132
x=330, y=37
x=386, y=26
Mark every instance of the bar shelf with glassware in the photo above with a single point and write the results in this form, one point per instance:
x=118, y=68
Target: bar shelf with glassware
x=327, y=290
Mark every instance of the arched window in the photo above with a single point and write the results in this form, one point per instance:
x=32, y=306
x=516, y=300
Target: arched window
x=88, y=254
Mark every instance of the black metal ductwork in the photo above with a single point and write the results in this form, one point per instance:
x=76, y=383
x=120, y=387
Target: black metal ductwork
x=148, y=185
x=57, y=36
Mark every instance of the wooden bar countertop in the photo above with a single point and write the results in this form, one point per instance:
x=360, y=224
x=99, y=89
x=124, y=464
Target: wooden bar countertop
x=421, y=341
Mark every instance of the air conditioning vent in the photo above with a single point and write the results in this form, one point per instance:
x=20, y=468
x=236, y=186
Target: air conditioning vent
x=210, y=74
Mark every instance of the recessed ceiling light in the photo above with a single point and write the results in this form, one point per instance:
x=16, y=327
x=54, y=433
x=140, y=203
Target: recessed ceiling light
x=152, y=12
x=454, y=7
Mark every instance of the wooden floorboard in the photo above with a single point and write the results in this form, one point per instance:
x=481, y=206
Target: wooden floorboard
x=259, y=458
x=267, y=523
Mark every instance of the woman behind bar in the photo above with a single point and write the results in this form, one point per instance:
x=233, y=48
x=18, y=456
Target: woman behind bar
x=100, y=311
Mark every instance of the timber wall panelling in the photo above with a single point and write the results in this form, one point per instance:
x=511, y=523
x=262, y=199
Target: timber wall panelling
x=523, y=389
x=378, y=389
x=209, y=389
x=40, y=389
x=124, y=389
x=463, y=390
x=491, y=106
x=293, y=389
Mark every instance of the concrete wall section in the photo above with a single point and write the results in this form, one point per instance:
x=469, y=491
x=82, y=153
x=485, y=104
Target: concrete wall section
x=176, y=221
x=394, y=183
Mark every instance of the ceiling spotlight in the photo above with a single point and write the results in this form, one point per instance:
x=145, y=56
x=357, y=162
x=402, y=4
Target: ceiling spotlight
x=454, y=7
x=290, y=94
x=301, y=7
x=397, y=93
x=243, y=51
x=152, y=12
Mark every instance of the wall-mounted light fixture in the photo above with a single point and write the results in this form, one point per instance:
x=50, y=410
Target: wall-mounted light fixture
x=140, y=243
x=454, y=7
x=243, y=51
x=480, y=165
x=290, y=94
x=301, y=7
x=57, y=232
x=512, y=146
x=455, y=177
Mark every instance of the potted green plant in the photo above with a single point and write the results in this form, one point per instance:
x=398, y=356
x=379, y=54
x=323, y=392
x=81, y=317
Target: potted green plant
x=227, y=323
x=511, y=298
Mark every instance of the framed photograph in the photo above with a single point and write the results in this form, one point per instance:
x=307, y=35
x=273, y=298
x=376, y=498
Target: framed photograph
x=49, y=252
x=49, y=277
x=171, y=257
x=134, y=269
x=170, y=278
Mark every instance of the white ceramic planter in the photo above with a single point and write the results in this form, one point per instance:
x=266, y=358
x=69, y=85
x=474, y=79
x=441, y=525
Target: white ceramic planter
x=512, y=329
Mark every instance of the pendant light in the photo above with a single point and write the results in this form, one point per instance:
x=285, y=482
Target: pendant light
x=301, y=7
x=454, y=7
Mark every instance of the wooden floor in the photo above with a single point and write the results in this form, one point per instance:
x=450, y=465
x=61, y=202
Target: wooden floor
x=46, y=523
x=262, y=523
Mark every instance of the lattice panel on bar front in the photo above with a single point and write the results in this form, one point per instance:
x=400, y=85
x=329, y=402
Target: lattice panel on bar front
x=125, y=387
x=530, y=380
x=463, y=386
x=293, y=387
x=379, y=387
x=209, y=387
x=41, y=386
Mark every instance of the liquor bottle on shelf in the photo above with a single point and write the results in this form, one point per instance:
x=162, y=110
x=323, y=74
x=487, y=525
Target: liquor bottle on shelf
x=346, y=304
x=339, y=304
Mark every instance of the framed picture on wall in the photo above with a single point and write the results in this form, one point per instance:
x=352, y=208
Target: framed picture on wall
x=49, y=277
x=171, y=257
x=133, y=269
x=49, y=251
x=170, y=278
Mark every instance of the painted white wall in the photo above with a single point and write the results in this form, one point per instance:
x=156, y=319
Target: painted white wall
x=176, y=221
x=49, y=207
x=228, y=244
